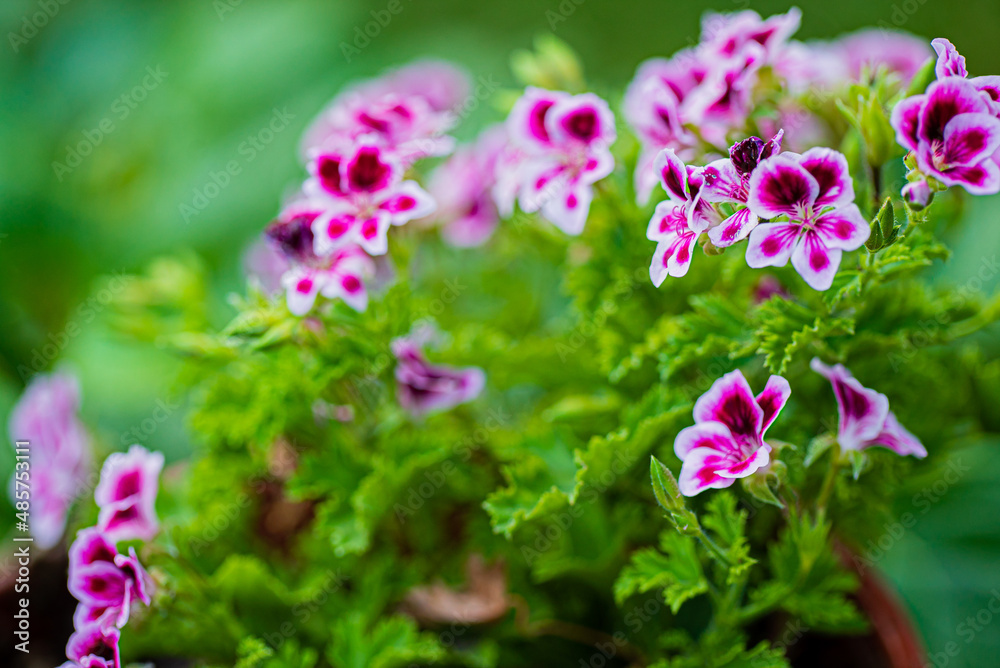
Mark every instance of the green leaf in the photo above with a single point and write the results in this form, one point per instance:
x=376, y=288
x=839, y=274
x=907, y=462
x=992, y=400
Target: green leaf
x=674, y=568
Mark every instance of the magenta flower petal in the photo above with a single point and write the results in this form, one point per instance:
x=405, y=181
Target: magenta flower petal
x=741, y=469
x=780, y=186
x=712, y=435
x=843, y=229
x=700, y=471
x=408, y=201
x=423, y=387
x=673, y=175
x=945, y=99
x=981, y=179
x=771, y=244
x=949, y=61
x=772, y=399
x=830, y=170
x=906, y=121
x=815, y=262
x=970, y=138
x=734, y=229
x=583, y=118
x=93, y=646
x=863, y=412
x=723, y=183
x=527, y=120
x=731, y=402
x=895, y=437
x=126, y=494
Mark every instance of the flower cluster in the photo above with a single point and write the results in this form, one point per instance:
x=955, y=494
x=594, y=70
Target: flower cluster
x=704, y=93
x=560, y=148
x=811, y=196
x=727, y=439
x=357, y=153
x=952, y=129
x=105, y=582
x=423, y=388
x=47, y=417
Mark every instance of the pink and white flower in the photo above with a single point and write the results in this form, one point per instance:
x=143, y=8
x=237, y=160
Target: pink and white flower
x=47, y=417
x=727, y=439
x=462, y=188
x=953, y=129
x=865, y=418
x=565, y=141
x=814, y=193
x=93, y=646
x=105, y=582
x=342, y=275
x=728, y=180
x=678, y=220
x=724, y=35
x=126, y=494
x=407, y=112
x=422, y=387
x=360, y=193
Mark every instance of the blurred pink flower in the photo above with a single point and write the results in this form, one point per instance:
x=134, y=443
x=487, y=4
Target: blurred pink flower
x=126, y=494
x=865, y=418
x=105, y=582
x=423, y=387
x=462, y=188
x=566, y=143
x=47, y=417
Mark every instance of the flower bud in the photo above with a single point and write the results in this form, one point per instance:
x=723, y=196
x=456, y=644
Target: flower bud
x=917, y=194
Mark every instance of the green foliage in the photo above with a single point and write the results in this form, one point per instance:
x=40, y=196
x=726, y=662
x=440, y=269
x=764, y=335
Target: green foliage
x=322, y=526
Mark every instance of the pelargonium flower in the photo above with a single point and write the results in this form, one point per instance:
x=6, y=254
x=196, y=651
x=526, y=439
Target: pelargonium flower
x=422, y=387
x=361, y=192
x=865, y=418
x=728, y=180
x=105, y=582
x=342, y=275
x=725, y=35
x=678, y=220
x=652, y=107
x=126, y=494
x=462, y=188
x=265, y=264
x=953, y=128
x=566, y=140
x=814, y=192
x=950, y=63
x=727, y=439
x=47, y=416
x=93, y=646
x=407, y=112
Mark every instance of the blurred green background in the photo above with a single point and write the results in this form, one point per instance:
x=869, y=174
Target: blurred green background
x=167, y=93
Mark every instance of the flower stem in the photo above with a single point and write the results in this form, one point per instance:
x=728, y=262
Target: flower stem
x=831, y=477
